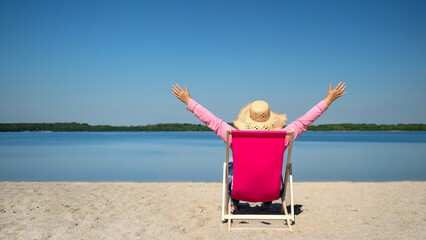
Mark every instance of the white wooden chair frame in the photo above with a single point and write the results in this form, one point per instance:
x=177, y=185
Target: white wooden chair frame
x=226, y=198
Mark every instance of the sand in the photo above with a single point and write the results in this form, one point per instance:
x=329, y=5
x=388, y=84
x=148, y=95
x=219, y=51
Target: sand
x=80, y=210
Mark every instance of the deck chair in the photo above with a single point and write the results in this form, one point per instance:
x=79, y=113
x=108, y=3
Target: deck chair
x=257, y=173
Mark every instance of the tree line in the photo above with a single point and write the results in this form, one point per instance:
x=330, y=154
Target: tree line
x=367, y=127
x=179, y=127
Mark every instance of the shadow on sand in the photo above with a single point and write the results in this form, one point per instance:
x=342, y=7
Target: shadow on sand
x=275, y=209
x=245, y=208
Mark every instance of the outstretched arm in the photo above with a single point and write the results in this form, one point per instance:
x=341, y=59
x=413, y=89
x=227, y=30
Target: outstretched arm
x=301, y=124
x=219, y=126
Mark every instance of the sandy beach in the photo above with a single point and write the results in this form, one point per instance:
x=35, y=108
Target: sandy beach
x=81, y=210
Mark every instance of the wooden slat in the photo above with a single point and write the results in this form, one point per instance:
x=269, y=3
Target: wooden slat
x=258, y=217
x=289, y=148
x=224, y=192
x=291, y=193
x=265, y=228
x=227, y=154
x=229, y=213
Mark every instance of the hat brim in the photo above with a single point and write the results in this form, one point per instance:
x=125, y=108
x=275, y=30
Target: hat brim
x=244, y=122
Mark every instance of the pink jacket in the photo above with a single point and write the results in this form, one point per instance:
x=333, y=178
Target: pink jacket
x=220, y=127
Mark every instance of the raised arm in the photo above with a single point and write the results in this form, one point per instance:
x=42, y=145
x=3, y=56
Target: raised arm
x=217, y=125
x=301, y=124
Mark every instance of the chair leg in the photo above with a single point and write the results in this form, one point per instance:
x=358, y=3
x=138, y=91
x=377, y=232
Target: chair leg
x=286, y=213
x=224, y=193
x=291, y=196
x=229, y=212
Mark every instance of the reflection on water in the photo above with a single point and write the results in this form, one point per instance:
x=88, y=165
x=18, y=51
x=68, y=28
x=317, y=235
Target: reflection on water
x=192, y=156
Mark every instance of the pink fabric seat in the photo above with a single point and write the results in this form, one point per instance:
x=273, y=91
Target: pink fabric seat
x=258, y=161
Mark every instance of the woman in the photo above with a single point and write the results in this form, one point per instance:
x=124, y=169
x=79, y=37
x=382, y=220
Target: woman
x=257, y=116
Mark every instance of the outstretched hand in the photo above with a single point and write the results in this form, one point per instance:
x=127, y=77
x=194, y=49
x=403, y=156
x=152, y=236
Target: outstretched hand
x=181, y=94
x=335, y=93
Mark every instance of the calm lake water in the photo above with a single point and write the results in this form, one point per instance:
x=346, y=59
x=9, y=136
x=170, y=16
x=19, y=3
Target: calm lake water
x=198, y=156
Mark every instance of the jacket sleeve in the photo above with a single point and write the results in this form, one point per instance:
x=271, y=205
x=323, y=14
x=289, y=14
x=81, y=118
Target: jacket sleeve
x=219, y=126
x=301, y=124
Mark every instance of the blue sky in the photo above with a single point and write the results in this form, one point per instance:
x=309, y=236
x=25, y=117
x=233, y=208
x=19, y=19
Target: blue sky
x=114, y=62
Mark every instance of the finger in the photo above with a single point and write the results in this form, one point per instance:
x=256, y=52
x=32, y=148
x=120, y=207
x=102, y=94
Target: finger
x=341, y=87
x=175, y=89
x=337, y=87
x=186, y=88
x=176, y=92
x=179, y=87
x=329, y=88
x=342, y=94
x=341, y=90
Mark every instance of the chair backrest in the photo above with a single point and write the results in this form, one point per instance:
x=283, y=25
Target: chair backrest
x=257, y=164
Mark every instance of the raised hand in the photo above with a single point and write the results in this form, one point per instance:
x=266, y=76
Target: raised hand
x=182, y=95
x=335, y=93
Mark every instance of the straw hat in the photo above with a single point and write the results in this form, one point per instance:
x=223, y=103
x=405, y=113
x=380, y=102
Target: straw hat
x=258, y=116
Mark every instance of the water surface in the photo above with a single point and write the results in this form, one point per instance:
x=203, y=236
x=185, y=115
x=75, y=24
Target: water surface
x=198, y=156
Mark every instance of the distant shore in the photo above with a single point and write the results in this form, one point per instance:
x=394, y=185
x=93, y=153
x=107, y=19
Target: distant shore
x=187, y=127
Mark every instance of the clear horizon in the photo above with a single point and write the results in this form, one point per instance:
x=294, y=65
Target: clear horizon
x=114, y=62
